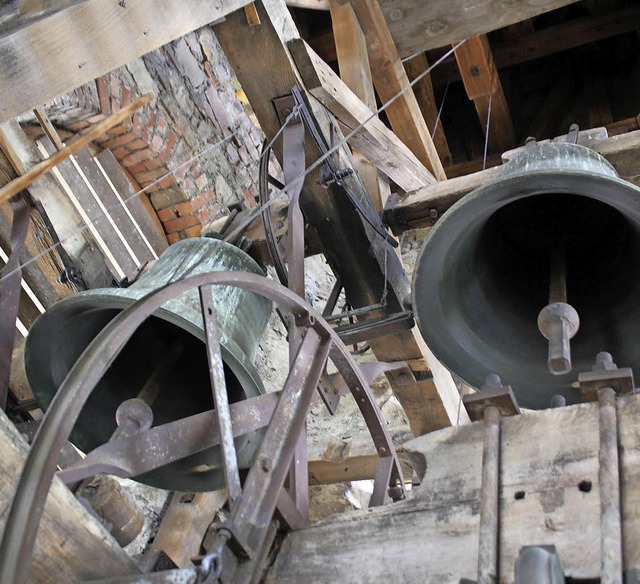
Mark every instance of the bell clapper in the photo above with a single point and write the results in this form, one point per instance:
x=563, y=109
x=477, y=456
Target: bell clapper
x=558, y=321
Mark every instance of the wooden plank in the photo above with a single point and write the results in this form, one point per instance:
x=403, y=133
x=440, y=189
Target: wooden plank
x=379, y=144
x=23, y=181
x=565, y=36
x=391, y=82
x=418, y=26
x=350, y=457
x=88, y=201
x=309, y=4
x=359, y=256
x=353, y=62
x=423, y=90
x=415, y=210
x=549, y=495
x=185, y=523
x=482, y=84
x=50, y=55
x=70, y=544
x=76, y=242
x=138, y=205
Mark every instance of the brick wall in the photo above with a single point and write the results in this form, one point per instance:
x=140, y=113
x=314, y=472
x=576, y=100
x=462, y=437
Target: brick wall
x=197, y=110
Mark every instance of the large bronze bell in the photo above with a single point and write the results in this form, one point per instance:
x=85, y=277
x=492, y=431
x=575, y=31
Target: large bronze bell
x=165, y=361
x=487, y=270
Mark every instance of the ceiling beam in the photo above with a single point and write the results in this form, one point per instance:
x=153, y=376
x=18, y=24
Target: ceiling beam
x=353, y=61
x=423, y=91
x=358, y=256
x=482, y=84
x=418, y=26
x=51, y=55
x=392, y=83
x=423, y=207
x=377, y=142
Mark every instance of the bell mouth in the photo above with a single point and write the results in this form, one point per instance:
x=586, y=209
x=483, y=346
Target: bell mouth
x=483, y=277
x=165, y=359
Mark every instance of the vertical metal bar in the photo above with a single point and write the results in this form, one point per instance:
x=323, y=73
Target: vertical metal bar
x=220, y=398
x=609, y=478
x=253, y=511
x=381, y=481
x=10, y=292
x=489, y=502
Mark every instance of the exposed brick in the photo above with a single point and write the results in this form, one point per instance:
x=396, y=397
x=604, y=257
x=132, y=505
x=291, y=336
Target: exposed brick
x=136, y=168
x=202, y=181
x=116, y=86
x=121, y=153
x=126, y=96
x=95, y=119
x=194, y=231
x=77, y=126
x=155, y=162
x=137, y=157
x=181, y=171
x=180, y=223
x=147, y=128
x=233, y=153
x=204, y=215
x=161, y=124
x=119, y=129
x=187, y=184
x=103, y=95
x=167, y=182
x=156, y=143
x=212, y=77
x=180, y=210
x=150, y=175
x=136, y=145
x=167, y=197
x=203, y=198
x=173, y=237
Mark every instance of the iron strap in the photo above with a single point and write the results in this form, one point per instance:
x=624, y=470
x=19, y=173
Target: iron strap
x=10, y=280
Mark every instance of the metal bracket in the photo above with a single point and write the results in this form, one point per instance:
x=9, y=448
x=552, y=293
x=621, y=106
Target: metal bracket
x=492, y=393
x=605, y=373
x=284, y=108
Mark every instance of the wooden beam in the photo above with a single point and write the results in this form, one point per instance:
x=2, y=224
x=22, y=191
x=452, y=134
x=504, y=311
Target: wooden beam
x=15, y=186
x=309, y=4
x=71, y=545
x=75, y=242
x=423, y=207
x=418, y=26
x=351, y=457
x=392, y=83
x=379, y=144
x=353, y=61
x=568, y=35
x=355, y=254
x=423, y=91
x=549, y=494
x=185, y=524
x=50, y=55
x=482, y=84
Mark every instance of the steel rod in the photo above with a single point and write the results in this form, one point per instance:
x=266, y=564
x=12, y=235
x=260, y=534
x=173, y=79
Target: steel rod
x=609, y=479
x=489, y=502
x=220, y=397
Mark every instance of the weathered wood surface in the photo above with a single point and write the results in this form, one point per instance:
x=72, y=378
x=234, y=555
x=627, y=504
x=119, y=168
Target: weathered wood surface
x=428, y=24
x=50, y=55
x=392, y=85
x=379, y=144
x=414, y=210
x=358, y=255
x=71, y=545
x=185, y=524
x=80, y=247
x=549, y=495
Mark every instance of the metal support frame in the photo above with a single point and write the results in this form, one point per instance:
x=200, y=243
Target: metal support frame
x=319, y=342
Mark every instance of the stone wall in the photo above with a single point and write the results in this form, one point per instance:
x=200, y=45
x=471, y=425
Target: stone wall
x=195, y=148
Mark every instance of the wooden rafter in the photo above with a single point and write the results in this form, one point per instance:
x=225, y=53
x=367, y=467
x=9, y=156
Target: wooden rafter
x=362, y=265
x=353, y=60
x=379, y=144
x=417, y=26
x=423, y=90
x=392, y=83
x=482, y=83
x=56, y=45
